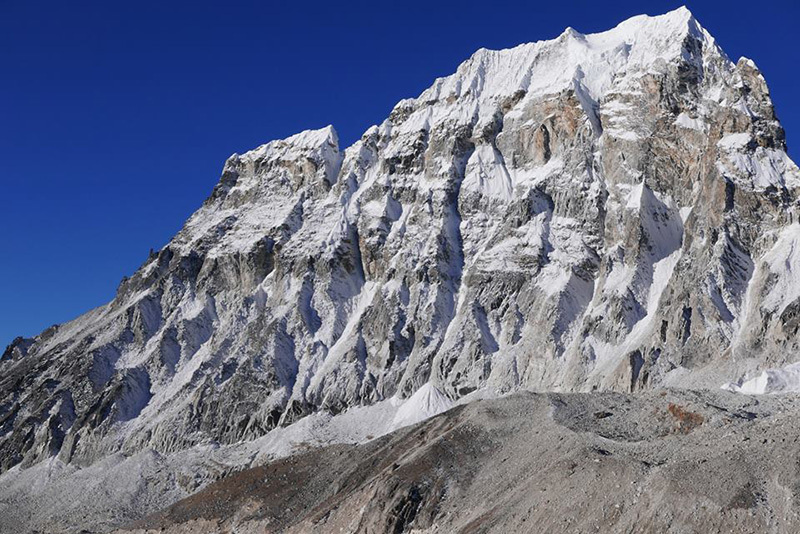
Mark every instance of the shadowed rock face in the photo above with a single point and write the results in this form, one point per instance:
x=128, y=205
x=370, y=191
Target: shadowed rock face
x=595, y=212
x=667, y=461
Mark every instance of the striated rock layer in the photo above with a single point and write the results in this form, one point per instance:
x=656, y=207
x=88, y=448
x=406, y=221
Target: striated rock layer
x=595, y=212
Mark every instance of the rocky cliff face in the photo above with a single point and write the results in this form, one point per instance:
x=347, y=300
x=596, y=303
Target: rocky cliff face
x=612, y=211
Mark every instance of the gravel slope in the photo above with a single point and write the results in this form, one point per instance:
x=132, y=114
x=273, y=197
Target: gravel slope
x=665, y=461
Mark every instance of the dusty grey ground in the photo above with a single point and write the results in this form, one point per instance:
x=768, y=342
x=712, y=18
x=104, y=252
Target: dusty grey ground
x=665, y=461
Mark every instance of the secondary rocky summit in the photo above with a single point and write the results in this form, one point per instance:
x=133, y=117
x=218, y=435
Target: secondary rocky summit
x=613, y=211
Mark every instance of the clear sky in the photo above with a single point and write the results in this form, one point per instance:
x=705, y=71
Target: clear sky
x=116, y=117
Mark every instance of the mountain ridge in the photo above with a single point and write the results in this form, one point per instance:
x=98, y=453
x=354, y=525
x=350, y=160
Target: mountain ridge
x=610, y=211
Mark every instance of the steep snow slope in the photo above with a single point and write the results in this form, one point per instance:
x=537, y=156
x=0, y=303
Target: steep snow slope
x=609, y=211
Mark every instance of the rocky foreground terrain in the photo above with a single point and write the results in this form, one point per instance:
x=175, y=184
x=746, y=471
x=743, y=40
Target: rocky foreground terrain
x=665, y=461
x=613, y=212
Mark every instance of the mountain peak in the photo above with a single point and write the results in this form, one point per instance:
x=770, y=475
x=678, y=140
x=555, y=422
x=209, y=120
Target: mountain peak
x=680, y=15
x=597, y=62
x=608, y=211
x=678, y=19
x=325, y=138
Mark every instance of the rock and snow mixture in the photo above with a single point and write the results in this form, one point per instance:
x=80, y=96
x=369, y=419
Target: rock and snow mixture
x=613, y=211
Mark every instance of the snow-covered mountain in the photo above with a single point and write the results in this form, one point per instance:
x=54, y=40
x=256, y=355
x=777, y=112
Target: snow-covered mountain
x=612, y=211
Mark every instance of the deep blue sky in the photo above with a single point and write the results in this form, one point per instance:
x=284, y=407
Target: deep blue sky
x=116, y=117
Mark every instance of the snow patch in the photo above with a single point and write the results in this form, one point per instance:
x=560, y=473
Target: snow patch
x=685, y=121
x=783, y=260
x=486, y=174
x=426, y=402
x=772, y=381
x=735, y=141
